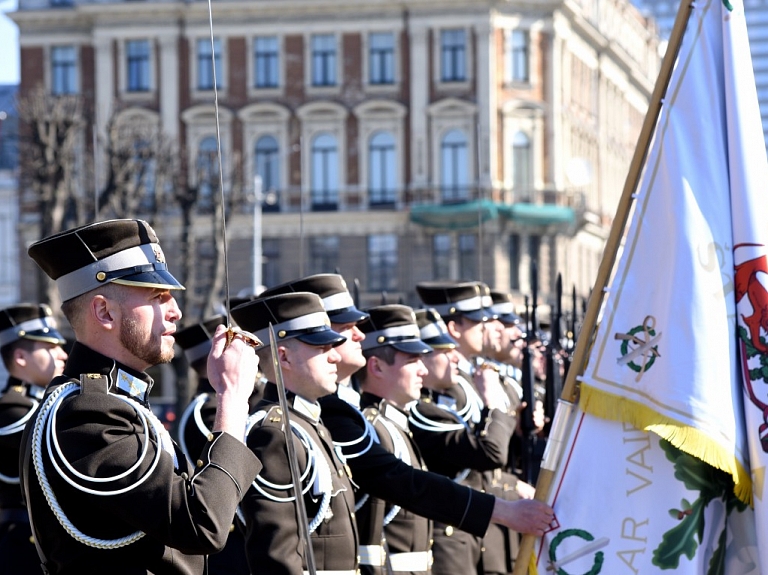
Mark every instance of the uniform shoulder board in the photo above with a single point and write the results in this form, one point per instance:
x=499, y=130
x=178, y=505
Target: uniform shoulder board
x=371, y=413
x=94, y=382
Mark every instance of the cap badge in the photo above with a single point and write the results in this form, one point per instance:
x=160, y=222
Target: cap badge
x=159, y=256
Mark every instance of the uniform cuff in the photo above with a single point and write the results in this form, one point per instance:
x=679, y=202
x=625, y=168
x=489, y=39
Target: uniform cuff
x=231, y=456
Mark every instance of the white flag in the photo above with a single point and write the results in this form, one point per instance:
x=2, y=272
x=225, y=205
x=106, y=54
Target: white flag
x=666, y=357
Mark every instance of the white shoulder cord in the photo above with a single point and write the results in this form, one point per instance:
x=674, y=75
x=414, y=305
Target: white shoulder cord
x=317, y=473
x=418, y=419
x=401, y=452
x=194, y=410
x=437, y=427
x=17, y=427
x=473, y=409
x=46, y=421
x=370, y=434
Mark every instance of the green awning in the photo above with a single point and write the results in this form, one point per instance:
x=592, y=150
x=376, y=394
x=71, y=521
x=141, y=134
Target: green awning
x=538, y=214
x=468, y=214
x=455, y=216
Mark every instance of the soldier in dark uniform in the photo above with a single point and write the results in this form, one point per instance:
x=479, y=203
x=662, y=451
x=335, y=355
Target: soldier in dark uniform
x=30, y=346
x=306, y=356
x=106, y=488
x=390, y=381
x=465, y=308
x=344, y=316
x=195, y=426
x=377, y=471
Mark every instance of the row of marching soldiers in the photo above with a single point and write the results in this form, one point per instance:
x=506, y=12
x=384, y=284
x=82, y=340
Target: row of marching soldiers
x=399, y=433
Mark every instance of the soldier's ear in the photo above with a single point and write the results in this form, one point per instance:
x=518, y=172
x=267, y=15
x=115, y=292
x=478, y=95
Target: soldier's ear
x=104, y=311
x=374, y=366
x=453, y=331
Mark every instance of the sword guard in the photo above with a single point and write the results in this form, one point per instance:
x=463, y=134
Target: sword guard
x=249, y=338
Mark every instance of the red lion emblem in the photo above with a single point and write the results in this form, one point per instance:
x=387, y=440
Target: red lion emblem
x=747, y=283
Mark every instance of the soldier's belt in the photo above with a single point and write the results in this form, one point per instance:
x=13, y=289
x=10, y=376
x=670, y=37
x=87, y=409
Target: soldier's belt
x=416, y=561
x=372, y=555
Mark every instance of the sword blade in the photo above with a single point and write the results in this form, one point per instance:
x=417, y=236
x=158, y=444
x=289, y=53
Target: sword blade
x=301, y=511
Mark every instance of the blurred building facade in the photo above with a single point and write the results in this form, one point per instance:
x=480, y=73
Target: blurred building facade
x=10, y=290
x=396, y=142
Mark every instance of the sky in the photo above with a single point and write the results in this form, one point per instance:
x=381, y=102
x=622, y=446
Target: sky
x=9, y=45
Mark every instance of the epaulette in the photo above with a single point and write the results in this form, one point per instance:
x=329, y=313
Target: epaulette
x=94, y=383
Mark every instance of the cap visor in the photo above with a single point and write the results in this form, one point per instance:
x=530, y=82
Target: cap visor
x=477, y=315
x=444, y=341
x=414, y=347
x=49, y=336
x=351, y=315
x=509, y=318
x=154, y=279
x=319, y=338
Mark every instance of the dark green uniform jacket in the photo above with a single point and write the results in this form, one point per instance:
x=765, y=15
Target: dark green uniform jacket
x=184, y=511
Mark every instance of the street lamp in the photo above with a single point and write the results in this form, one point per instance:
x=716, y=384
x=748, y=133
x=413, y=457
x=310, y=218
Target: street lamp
x=257, y=251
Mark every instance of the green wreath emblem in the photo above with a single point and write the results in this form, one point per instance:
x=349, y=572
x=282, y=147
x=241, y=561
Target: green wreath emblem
x=599, y=556
x=625, y=349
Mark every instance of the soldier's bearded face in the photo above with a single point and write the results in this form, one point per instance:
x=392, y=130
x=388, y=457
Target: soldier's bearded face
x=146, y=326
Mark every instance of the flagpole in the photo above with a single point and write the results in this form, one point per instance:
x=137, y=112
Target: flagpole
x=584, y=343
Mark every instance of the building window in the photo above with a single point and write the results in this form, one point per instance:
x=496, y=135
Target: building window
x=521, y=163
x=266, y=59
x=137, y=65
x=518, y=53
x=324, y=178
x=441, y=256
x=323, y=254
x=267, y=162
x=454, y=163
x=382, y=262
x=270, y=266
x=382, y=170
x=453, y=50
x=63, y=70
x=381, y=58
x=324, y=60
x=468, y=256
x=207, y=63
x=514, y=262
x=207, y=173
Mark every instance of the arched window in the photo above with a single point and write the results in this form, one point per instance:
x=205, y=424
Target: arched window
x=454, y=167
x=207, y=172
x=521, y=163
x=382, y=170
x=324, y=179
x=267, y=163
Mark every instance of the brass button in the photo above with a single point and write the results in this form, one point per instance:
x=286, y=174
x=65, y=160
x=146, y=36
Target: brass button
x=210, y=437
x=32, y=539
x=199, y=462
x=483, y=433
x=482, y=549
x=231, y=528
x=184, y=475
x=352, y=514
x=320, y=433
x=449, y=531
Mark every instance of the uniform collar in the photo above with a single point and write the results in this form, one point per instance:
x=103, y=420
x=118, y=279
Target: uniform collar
x=122, y=379
x=307, y=409
x=387, y=410
x=29, y=389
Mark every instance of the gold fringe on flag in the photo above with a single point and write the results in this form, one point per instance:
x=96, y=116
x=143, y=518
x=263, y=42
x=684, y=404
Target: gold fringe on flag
x=686, y=438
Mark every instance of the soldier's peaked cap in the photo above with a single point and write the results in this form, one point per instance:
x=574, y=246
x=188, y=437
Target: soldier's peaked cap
x=195, y=339
x=503, y=308
x=29, y=321
x=125, y=252
x=395, y=325
x=432, y=329
x=297, y=315
x=332, y=289
x=468, y=299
